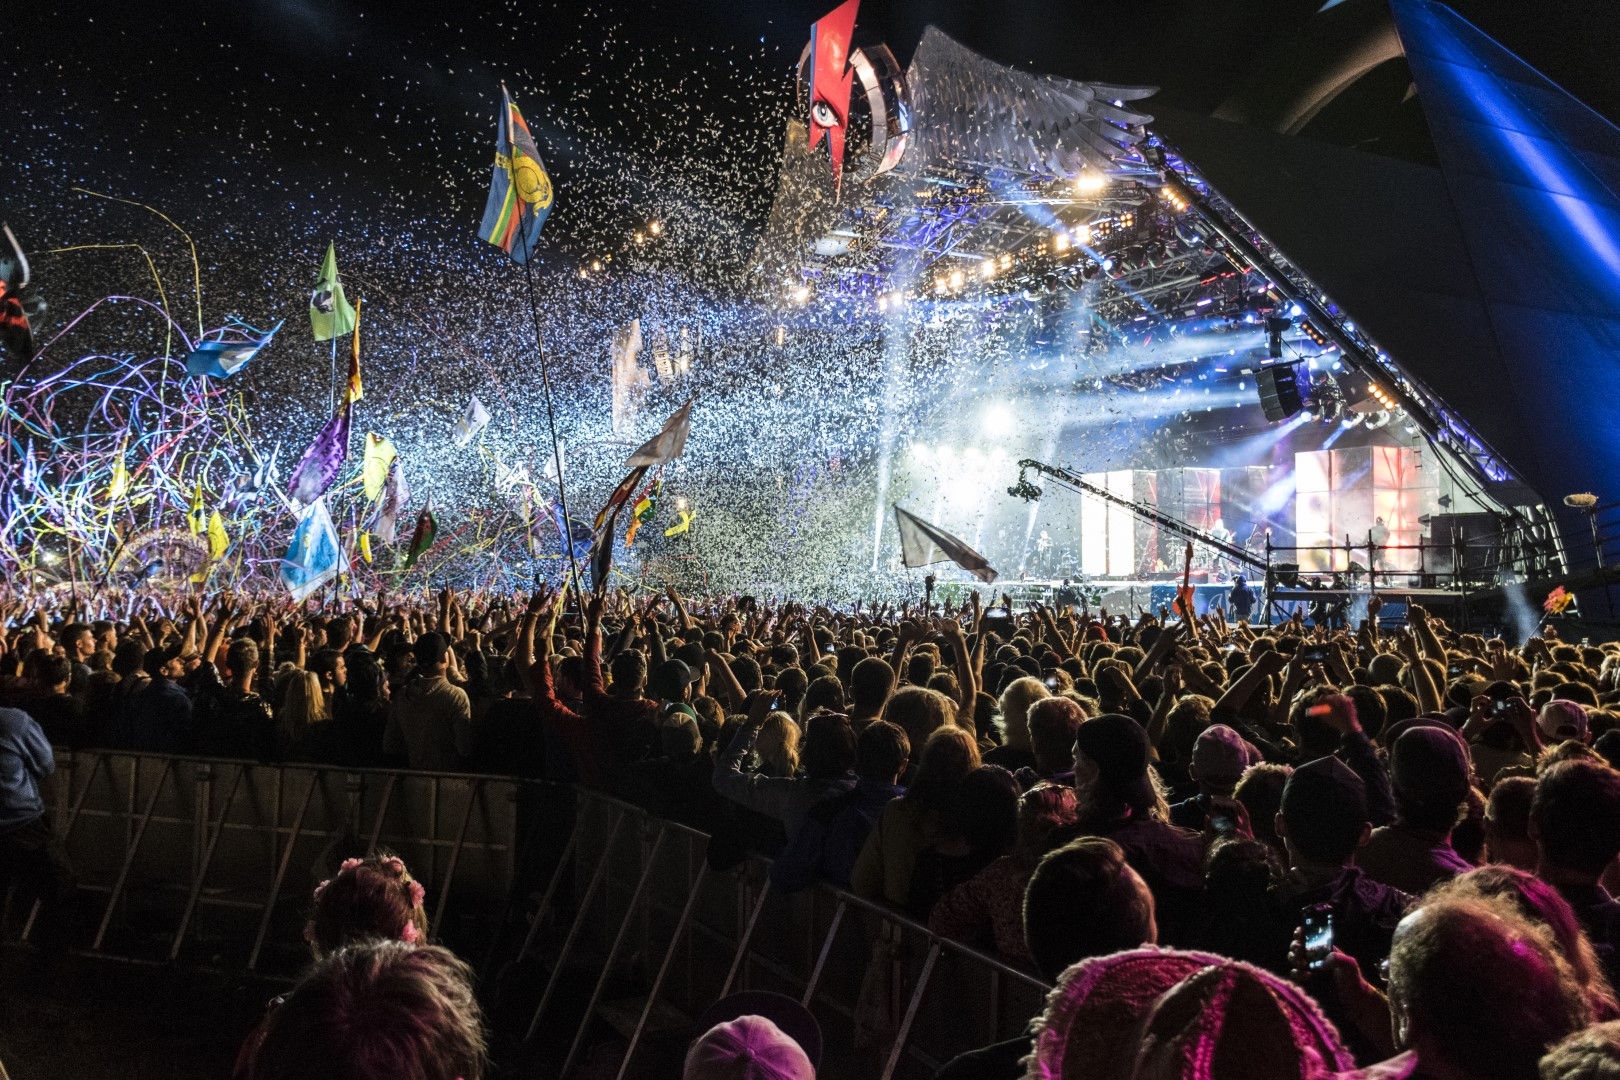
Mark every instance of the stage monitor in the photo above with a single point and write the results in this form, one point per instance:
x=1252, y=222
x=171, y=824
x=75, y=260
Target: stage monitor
x=1279, y=391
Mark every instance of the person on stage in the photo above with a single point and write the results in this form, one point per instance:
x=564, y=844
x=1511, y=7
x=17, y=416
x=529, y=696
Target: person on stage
x=1241, y=599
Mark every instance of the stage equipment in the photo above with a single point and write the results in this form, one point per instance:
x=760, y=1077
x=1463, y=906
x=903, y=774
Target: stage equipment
x=1151, y=514
x=1279, y=391
x=1275, y=327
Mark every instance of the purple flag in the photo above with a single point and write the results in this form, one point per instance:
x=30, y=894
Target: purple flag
x=323, y=459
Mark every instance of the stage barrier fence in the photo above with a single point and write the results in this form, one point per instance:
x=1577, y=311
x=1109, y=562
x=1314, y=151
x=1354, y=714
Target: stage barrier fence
x=210, y=864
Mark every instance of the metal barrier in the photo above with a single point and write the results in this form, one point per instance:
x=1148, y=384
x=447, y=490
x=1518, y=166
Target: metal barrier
x=212, y=861
x=650, y=935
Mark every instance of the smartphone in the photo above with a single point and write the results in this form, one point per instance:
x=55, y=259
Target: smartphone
x=1502, y=705
x=1219, y=816
x=1317, y=922
x=1316, y=654
x=1454, y=670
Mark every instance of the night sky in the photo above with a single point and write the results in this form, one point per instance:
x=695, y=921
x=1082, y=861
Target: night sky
x=641, y=109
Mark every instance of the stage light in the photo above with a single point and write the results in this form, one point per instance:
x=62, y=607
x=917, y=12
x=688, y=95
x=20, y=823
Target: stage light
x=656, y=228
x=987, y=269
x=897, y=299
x=596, y=266
x=1090, y=180
x=1295, y=311
x=941, y=286
x=584, y=273
x=1060, y=241
x=996, y=420
x=801, y=294
x=957, y=279
x=781, y=335
x=883, y=303
x=641, y=238
x=1006, y=260
x=1082, y=234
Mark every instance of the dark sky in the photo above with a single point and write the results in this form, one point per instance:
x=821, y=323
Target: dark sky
x=643, y=109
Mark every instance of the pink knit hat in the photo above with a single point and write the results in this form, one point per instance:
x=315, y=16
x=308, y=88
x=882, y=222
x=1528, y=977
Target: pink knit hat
x=1159, y=1014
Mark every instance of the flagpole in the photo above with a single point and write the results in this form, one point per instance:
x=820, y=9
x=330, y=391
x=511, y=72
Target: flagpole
x=540, y=347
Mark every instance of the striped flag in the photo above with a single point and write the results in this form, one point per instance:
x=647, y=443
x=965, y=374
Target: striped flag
x=520, y=191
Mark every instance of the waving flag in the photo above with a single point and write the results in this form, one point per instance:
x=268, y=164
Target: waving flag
x=315, y=557
x=643, y=511
x=198, y=517
x=682, y=526
x=427, y=527
x=474, y=420
x=330, y=315
x=602, y=554
x=519, y=191
x=668, y=444
x=620, y=496
x=323, y=458
x=395, y=494
x=380, y=454
x=355, y=391
x=219, y=541
x=576, y=534
x=222, y=359
x=922, y=544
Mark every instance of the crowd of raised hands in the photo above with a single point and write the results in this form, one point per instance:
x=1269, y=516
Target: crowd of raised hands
x=1337, y=817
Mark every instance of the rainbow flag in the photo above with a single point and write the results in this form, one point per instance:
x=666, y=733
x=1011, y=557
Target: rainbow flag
x=520, y=190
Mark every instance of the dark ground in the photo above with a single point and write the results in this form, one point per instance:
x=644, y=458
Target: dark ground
x=69, y=1017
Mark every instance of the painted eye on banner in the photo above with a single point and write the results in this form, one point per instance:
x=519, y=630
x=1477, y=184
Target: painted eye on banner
x=321, y=300
x=823, y=115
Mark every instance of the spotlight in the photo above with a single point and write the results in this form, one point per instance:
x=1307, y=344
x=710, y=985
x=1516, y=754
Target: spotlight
x=1060, y=241
x=656, y=228
x=1006, y=260
x=1090, y=181
x=897, y=298
x=641, y=237
x=801, y=294
x=957, y=279
x=996, y=420
x=987, y=269
x=1082, y=234
x=596, y=266
x=883, y=303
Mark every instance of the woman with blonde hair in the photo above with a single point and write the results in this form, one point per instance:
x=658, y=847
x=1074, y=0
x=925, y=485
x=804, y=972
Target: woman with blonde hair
x=304, y=704
x=777, y=745
x=1015, y=751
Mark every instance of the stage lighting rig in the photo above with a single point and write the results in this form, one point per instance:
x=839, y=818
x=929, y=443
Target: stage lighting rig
x=1024, y=489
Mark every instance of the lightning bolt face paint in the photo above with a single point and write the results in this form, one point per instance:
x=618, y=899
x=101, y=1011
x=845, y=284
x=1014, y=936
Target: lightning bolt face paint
x=830, y=82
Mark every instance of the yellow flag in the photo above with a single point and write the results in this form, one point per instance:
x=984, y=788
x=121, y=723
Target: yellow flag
x=197, y=518
x=365, y=546
x=374, y=469
x=120, y=481
x=355, y=391
x=684, y=525
x=218, y=540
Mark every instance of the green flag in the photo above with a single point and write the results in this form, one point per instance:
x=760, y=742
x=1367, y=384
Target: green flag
x=329, y=312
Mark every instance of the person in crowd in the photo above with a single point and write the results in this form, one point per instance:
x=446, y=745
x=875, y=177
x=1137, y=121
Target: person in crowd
x=1082, y=900
x=373, y=897
x=1052, y=724
x=1429, y=771
x=376, y=1010
x=1119, y=799
x=430, y=720
x=888, y=860
x=986, y=911
x=834, y=830
x=828, y=761
x=1260, y=792
x=232, y=720
x=1015, y=751
x=30, y=856
x=755, y=1035
x=1589, y=1054
x=303, y=706
x=1575, y=822
x=1218, y=760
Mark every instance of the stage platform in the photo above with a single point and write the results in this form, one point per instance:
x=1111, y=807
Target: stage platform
x=1129, y=596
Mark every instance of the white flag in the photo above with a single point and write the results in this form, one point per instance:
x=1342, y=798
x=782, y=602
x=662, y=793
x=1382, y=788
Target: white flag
x=474, y=420
x=315, y=556
x=668, y=444
x=922, y=544
x=395, y=495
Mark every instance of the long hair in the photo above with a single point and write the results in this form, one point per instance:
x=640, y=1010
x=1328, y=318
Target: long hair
x=304, y=704
x=778, y=745
x=1015, y=702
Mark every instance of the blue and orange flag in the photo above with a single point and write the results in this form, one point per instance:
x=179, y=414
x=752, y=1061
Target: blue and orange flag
x=520, y=190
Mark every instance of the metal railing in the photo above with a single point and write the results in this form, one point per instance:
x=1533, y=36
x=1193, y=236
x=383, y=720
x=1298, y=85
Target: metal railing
x=208, y=863
x=654, y=935
x=212, y=861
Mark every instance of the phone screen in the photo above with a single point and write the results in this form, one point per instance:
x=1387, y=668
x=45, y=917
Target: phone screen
x=1318, y=925
x=1316, y=654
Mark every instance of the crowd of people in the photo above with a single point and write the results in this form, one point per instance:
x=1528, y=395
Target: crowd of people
x=1234, y=850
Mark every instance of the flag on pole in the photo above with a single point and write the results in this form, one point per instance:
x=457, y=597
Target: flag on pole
x=355, y=391
x=222, y=359
x=602, y=554
x=922, y=544
x=643, y=511
x=330, y=315
x=520, y=191
x=315, y=557
x=380, y=454
x=365, y=546
x=219, y=541
x=669, y=443
x=119, y=487
x=474, y=420
x=427, y=527
x=395, y=495
x=323, y=458
x=621, y=495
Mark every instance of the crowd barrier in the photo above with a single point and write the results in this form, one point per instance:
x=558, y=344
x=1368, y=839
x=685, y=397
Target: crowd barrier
x=629, y=930
x=648, y=935
x=213, y=862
